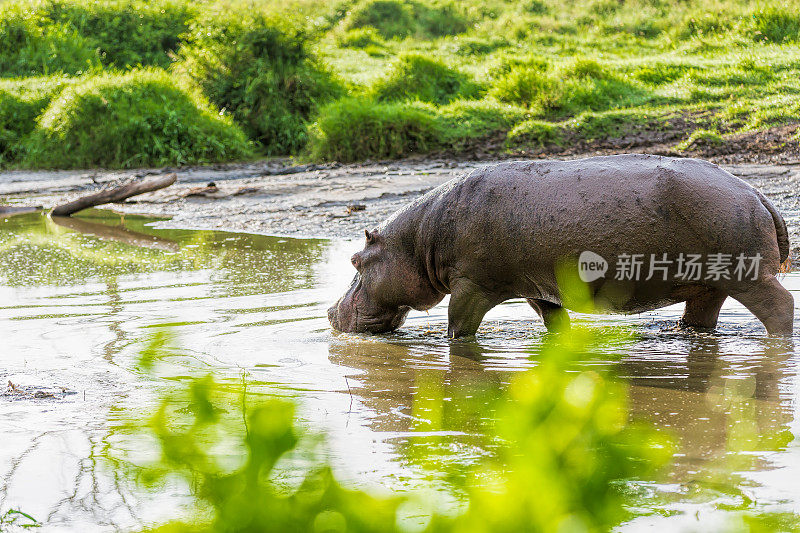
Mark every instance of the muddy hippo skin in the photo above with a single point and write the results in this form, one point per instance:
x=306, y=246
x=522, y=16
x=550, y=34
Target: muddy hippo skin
x=504, y=232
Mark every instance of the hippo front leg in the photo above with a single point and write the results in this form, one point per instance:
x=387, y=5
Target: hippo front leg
x=469, y=303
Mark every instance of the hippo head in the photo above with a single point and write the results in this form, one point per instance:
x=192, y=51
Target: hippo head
x=386, y=287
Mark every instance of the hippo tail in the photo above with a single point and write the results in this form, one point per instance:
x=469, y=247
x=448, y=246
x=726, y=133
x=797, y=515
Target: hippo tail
x=780, y=230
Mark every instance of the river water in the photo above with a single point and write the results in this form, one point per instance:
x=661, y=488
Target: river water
x=79, y=299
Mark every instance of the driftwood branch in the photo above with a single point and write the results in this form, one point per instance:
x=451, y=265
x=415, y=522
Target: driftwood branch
x=116, y=194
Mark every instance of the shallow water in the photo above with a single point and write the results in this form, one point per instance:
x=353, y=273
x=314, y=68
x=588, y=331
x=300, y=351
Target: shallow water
x=80, y=297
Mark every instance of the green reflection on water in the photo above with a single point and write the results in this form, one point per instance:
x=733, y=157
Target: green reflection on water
x=101, y=245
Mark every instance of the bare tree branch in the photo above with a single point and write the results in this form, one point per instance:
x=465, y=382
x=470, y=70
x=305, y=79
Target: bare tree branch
x=116, y=194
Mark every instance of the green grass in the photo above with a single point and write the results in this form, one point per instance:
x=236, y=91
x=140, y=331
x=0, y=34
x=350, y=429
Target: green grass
x=359, y=38
x=75, y=36
x=395, y=19
x=776, y=25
x=357, y=129
x=417, y=77
x=534, y=133
x=595, y=71
x=466, y=122
x=581, y=85
x=353, y=130
x=663, y=67
x=21, y=102
x=259, y=68
x=701, y=137
x=143, y=118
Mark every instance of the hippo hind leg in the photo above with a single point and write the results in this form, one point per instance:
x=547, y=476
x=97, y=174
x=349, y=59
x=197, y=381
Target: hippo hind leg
x=554, y=316
x=702, y=311
x=772, y=304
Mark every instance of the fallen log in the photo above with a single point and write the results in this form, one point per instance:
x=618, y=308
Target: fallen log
x=117, y=194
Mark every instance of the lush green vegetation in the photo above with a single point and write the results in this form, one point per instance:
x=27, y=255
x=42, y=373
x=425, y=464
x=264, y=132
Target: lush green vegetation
x=62, y=36
x=293, y=75
x=136, y=119
x=565, y=455
x=565, y=449
x=260, y=70
x=416, y=77
x=349, y=130
x=21, y=102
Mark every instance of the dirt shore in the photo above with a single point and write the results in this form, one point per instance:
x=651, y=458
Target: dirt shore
x=327, y=201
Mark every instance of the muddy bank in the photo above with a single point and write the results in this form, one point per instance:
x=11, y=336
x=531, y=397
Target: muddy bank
x=329, y=201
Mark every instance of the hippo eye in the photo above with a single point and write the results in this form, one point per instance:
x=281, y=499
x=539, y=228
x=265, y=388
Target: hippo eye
x=356, y=260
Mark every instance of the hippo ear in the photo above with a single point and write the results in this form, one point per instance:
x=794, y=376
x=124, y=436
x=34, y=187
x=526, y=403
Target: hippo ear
x=371, y=237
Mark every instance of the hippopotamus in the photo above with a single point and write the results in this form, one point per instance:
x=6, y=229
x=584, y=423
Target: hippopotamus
x=637, y=232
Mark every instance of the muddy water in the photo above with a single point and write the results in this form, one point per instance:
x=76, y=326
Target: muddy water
x=79, y=298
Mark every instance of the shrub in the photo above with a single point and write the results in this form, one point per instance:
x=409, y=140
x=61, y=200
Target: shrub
x=535, y=132
x=586, y=68
x=440, y=20
x=527, y=85
x=776, y=25
x=126, y=33
x=476, y=46
x=21, y=101
x=32, y=45
x=660, y=73
x=535, y=7
x=15, y=115
x=359, y=38
x=465, y=120
x=259, y=70
x=137, y=119
x=390, y=18
x=415, y=77
x=351, y=130
x=81, y=35
x=399, y=19
x=509, y=64
x=603, y=8
x=580, y=86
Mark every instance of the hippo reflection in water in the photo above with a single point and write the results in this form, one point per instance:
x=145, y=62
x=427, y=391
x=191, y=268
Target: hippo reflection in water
x=643, y=231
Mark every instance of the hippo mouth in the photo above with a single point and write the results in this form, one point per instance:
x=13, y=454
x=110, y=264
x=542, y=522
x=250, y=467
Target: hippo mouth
x=352, y=321
x=358, y=312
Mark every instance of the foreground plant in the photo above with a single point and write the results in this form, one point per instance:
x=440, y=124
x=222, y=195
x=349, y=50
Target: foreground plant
x=565, y=448
x=18, y=520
